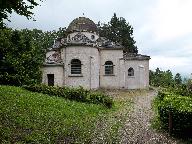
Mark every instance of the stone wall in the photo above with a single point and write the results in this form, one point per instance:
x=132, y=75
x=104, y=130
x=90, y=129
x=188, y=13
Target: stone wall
x=89, y=57
x=93, y=69
x=114, y=55
x=140, y=80
x=57, y=70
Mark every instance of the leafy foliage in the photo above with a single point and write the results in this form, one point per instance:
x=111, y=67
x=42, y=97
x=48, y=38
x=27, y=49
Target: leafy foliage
x=118, y=30
x=173, y=102
x=161, y=78
x=21, y=62
x=180, y=108
x=22, y=53
x=184, y=89
x=178, y=79
x=77, y=94
x=175, y=84
x=21, y=7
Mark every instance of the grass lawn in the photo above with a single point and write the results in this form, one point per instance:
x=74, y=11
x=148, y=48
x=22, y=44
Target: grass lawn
x=28, y=117
x=33, y=117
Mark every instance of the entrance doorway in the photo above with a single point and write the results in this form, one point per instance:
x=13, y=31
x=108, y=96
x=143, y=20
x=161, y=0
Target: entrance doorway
x=50, y=78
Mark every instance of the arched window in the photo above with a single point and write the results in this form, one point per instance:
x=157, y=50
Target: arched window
x=130, y=71
x=75, y=66
x=108, y=67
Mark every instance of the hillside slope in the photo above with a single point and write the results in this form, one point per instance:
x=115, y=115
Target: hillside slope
x=38, y=118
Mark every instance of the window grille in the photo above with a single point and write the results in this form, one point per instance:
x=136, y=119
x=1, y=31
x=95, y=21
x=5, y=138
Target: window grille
x=108, y=67
x=75, y=66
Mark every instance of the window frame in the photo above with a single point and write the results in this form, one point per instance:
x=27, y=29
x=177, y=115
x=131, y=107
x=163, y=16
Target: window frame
x=109, y=68
x=92, y=37
x=131, y=72
x=76, y=68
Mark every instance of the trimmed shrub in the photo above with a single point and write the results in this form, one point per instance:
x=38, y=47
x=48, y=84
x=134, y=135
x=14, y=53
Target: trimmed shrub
x=180, y=108
x=182, y=89
x=77, y=94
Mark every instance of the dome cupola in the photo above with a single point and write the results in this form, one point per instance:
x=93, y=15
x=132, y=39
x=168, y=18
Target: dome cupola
x=82, y=24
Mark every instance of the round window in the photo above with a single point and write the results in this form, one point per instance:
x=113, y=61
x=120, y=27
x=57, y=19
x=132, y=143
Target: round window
x=92, y=37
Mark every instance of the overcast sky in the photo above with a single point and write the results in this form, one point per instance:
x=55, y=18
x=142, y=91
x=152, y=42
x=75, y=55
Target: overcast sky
x=162, y=28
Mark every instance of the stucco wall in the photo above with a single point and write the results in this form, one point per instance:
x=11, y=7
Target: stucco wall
x=93, y=69
x=111, y=81
x=89, y=57
x=140, y=80
x=58, y=74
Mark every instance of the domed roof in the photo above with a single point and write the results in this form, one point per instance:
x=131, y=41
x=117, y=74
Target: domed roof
x=82, y=24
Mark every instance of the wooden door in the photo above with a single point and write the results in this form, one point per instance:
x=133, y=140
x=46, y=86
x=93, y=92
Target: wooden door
x=50, y=78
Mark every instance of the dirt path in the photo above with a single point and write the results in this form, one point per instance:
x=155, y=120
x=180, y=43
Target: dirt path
x=131, y=123
x=137, y=129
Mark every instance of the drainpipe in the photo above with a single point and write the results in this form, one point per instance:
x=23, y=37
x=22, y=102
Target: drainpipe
x=119, y=74
x=140, y=80
x=90, y=72
x=64, y=68
x=125, y=78
x=99, y=67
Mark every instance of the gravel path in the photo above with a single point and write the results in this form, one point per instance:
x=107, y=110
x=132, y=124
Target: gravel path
x=137, y=128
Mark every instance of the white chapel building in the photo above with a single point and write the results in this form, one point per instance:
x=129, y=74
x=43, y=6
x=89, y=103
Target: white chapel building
x=83, y=58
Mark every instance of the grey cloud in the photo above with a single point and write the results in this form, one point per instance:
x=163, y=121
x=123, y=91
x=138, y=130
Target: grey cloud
x=59, y=13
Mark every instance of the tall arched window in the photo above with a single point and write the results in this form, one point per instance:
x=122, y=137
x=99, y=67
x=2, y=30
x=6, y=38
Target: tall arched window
x=108, y=67
x=130, y=71
x=75, y=66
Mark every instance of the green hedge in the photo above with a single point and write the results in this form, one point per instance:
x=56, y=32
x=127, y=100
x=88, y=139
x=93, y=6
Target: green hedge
x=182, y=89
x=180, y=108
x=77, y=94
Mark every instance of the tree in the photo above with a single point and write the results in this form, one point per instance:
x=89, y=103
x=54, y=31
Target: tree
x=178, y=79
x=161, y=78
x=22, y=53
x=157, y=79
x=22, y=59
x=118, y=30
x=168, y=78
x=21, y=7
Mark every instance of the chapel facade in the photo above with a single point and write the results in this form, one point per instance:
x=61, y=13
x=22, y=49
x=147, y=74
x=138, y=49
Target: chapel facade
x=83, y=58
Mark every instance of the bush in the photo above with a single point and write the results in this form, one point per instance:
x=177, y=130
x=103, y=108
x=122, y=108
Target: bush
x=180, y=108
x=182, y=89
x=77, y=94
